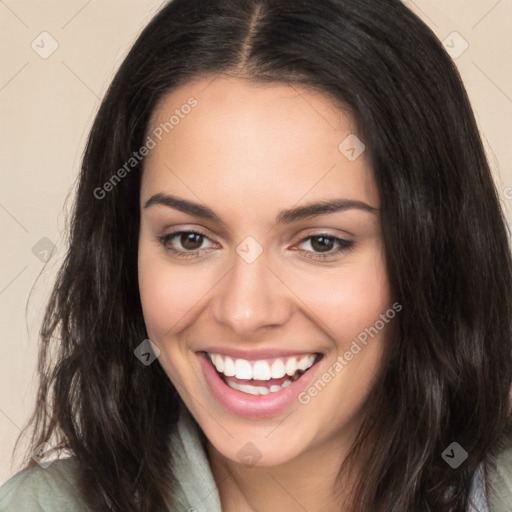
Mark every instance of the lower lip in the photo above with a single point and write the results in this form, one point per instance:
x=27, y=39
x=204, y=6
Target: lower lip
x=253, y=406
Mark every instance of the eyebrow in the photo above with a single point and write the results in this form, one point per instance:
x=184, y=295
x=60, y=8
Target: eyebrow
x=284, y=217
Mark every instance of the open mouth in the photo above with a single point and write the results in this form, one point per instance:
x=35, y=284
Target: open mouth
x=261, y=377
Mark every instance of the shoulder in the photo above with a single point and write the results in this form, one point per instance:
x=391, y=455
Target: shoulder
x=36, y=489
x=499, y=477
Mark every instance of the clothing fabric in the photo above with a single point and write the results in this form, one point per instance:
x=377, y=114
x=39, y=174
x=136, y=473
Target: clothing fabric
x=54, y=489
x=479, y=500
x=198, y=491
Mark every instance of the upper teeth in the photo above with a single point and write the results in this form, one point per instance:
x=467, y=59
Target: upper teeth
x=265, y=369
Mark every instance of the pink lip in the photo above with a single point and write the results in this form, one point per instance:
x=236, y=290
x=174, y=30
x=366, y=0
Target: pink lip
x=253, y=406
x=254, y=355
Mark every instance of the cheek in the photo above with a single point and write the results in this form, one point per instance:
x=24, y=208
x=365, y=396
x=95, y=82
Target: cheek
x=169, y=294
x=349, y=304
x=349, y=300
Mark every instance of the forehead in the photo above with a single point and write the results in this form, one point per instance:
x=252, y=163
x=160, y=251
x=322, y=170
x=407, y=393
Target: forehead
x=253, y=142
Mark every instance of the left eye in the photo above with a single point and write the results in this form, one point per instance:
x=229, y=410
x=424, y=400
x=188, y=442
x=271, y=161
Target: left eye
x=323, y=244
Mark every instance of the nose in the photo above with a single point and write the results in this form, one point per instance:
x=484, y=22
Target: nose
x=251, y=297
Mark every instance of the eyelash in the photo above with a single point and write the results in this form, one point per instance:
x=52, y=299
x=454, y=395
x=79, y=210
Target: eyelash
x=343, y=245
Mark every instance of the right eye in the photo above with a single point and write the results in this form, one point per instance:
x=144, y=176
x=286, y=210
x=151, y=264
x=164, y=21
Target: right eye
x=185, y=243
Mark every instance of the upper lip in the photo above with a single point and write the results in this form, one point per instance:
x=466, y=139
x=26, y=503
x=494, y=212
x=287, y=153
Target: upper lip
x=255, y=355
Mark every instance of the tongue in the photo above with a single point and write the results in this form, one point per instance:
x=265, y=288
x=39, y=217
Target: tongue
x=254, y=382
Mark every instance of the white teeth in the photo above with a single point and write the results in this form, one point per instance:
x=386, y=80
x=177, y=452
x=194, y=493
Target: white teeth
x=306, y=362
x=218, y=362
x=243, y=369
x=229, y=367
x=291, y=366
x=262, y=370
x=252, y=390
x=257, y=390
x=277, y=370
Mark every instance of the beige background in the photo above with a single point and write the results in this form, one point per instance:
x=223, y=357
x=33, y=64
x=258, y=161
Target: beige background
x=47, y=106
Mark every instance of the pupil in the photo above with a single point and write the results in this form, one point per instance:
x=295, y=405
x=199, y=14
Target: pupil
x=322, y=243
x=191, y=241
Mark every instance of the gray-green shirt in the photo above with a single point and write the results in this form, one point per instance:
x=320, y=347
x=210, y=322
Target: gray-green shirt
x=54, y=489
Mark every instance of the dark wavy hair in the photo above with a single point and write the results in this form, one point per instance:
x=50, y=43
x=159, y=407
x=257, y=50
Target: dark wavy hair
x=447, y=374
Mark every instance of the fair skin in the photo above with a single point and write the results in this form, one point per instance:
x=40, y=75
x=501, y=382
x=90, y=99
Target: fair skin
x=247, y=152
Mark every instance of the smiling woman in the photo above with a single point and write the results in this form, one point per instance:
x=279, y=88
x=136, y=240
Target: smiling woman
x=278, y=308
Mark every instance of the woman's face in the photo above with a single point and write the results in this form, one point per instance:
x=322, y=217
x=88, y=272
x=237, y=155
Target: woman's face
x=237, y=265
